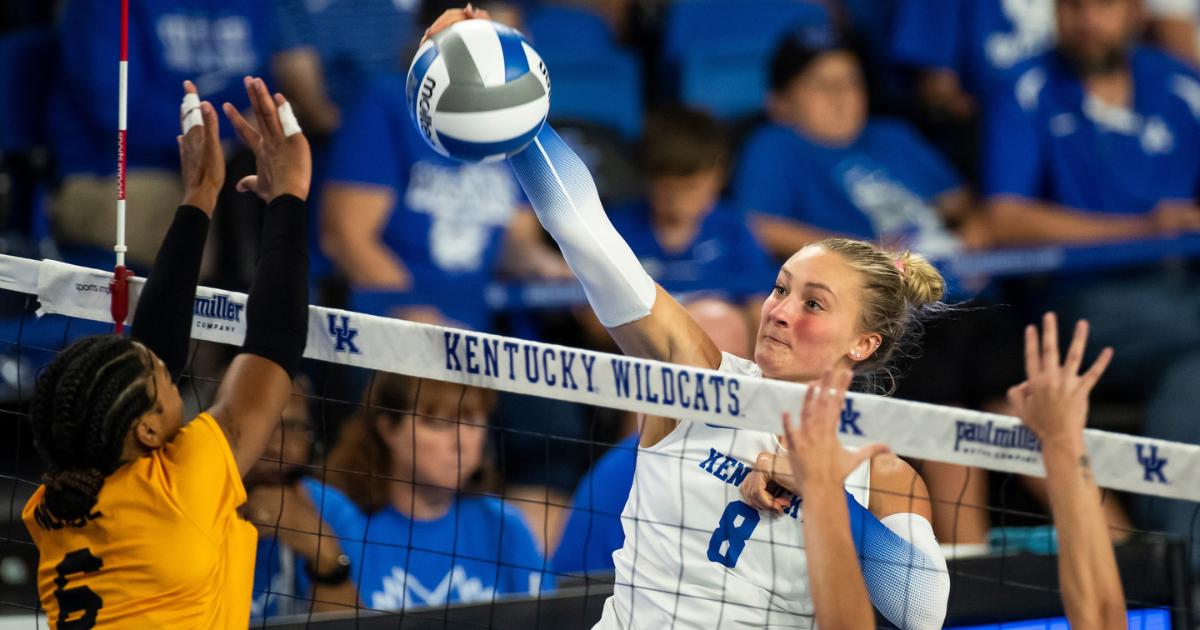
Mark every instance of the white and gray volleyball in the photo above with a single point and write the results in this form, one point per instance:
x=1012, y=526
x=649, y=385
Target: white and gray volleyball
x=478, y=92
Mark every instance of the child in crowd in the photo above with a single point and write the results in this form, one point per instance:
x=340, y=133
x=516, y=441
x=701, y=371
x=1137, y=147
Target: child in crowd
x=690, y=241
x=823, y=167
x=402, y=499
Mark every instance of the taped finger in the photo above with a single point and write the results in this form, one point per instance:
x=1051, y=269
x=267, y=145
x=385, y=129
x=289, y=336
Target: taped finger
x=190, y=112
x=287, y=120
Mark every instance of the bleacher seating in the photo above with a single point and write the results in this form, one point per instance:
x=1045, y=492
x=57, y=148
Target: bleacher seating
x=592, y=78
x=716, y=53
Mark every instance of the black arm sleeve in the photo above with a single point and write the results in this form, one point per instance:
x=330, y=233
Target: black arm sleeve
x=277, y=310
x=163, y=320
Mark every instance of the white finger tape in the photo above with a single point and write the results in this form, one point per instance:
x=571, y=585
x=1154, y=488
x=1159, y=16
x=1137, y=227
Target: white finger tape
x=287, y=118
x=190, y=110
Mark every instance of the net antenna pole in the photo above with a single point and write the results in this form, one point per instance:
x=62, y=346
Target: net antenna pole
x=119, y=287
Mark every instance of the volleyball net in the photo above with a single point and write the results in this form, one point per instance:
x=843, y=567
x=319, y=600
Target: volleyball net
x=378, y=401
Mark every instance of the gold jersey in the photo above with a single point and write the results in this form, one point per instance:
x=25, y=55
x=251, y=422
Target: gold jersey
x=164, y=547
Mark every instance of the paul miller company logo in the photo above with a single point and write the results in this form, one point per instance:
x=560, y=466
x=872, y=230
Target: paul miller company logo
x=219, y=307
x=988, y=434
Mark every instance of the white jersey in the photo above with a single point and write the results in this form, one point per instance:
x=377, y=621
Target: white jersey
x=695, y=555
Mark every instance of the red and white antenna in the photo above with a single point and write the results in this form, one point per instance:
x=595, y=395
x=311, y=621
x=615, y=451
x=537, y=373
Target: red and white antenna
x=119, y=287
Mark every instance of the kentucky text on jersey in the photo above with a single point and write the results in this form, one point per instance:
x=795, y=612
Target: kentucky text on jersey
x=733, y=472
x=990, y=435
x=218, y=307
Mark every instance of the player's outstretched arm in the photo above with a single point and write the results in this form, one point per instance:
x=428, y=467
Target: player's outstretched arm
x=643, y=319
x=1053, y=402
x=820, y=465
x=164, y=315
x=258, y=384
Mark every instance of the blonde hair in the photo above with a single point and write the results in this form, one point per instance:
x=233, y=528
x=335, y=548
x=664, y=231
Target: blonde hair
x=899, y=292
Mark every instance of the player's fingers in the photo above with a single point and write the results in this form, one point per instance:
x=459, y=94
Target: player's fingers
x=780, y=504
x=212, y=124
x=287, y=118
x=1075, y=352
x=867, y=452
x=1016, y=395
x=248, y=183
x=1089, y=378
x=1033, y=357
x=268, y=117
x=820, y=404
x=1050, y=342
x=835, y=400
x=789, y=429
x=244, y=131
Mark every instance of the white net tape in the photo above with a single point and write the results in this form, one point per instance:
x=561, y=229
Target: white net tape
x=944, y=434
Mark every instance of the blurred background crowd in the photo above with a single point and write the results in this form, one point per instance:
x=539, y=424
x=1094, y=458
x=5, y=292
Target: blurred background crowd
x=723, y=136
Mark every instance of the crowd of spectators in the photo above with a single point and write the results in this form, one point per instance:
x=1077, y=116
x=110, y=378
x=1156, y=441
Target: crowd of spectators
x=941, y=126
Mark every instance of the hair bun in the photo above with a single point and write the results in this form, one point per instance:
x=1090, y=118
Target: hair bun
x=920, y=282
x=71, y=493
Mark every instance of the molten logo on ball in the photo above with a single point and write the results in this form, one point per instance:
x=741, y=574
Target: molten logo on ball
x=478, y=92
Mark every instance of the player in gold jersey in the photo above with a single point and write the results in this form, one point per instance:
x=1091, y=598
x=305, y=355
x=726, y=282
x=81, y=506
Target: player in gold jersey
x=136, y=522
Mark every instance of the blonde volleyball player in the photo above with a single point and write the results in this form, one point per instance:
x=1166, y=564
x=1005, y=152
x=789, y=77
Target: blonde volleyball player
x=136, y=523
x=695, y=554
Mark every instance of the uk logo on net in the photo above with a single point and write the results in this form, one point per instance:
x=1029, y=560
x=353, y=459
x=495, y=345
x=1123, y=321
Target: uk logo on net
x=343, y=334
x=1152, y=464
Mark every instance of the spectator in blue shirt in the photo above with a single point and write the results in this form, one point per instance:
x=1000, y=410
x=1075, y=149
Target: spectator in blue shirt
x=963, y=49
x=335, y=48
x=691, y=243
x=403, y=500
x=286, y=578
x=822, y=167
x=418, y=235
x=1099, y=140
x=213, y=43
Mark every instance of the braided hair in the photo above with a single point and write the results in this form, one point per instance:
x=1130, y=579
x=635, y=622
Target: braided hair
x=84, y=404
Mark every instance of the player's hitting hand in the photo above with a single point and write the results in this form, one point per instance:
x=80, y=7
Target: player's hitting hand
x=768, y=484
x=816, y=457
x=453, y=16
x=200, y=153
x=284, y=162
x=1053, y=402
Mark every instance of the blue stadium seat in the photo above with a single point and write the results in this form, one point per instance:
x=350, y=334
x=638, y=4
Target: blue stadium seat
x=716, y=53
x=592, y=79
x=559, y=29
x=604, y=89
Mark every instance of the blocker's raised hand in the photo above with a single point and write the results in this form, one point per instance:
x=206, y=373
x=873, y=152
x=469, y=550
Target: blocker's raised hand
x=201, y=158
x=1054, y=400
x=815, y=455
x=454, y=16
x=283, y=159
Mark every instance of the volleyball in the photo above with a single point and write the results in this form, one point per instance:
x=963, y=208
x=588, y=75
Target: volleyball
x=478, y=92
